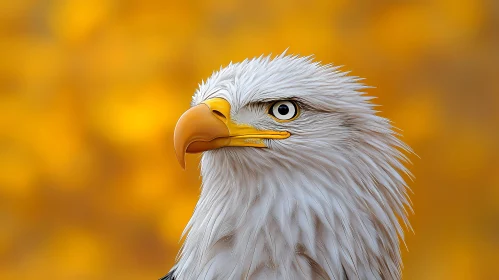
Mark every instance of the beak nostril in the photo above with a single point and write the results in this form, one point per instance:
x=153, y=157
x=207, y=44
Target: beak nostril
x=219, y=115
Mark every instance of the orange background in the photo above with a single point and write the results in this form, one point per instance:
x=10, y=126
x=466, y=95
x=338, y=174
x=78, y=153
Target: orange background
x=90, y=91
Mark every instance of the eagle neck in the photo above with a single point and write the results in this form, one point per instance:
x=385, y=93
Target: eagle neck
x=277, y=223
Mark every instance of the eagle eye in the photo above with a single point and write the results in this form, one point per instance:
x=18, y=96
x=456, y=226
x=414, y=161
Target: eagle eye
x=284, y=110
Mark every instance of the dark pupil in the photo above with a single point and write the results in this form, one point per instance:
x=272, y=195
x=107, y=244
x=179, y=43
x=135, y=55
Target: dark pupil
x=283, y=109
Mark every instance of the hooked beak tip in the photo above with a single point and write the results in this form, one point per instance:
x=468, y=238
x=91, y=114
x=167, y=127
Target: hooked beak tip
x=195, y=130
x=180, y=150
x=181, y=161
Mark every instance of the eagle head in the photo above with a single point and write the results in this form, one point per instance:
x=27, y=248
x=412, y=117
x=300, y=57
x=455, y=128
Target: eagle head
x=301, y=178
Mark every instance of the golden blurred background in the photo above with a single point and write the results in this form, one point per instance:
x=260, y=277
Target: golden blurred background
x=90, y=91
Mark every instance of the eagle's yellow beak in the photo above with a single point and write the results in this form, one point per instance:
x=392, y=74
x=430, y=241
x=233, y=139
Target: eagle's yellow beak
x=208, y=126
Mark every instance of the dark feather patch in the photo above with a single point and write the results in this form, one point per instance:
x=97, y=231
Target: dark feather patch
x=168, y=276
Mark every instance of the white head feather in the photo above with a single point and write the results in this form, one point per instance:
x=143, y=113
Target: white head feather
x=325, y=202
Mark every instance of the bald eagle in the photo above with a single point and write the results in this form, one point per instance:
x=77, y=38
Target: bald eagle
x=300, y=178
